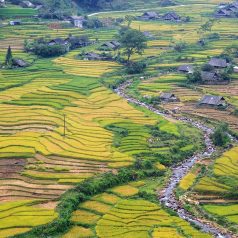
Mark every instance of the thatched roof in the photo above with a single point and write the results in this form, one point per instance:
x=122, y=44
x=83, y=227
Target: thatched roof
x=209, y=76
x=213, y=100
x=58, y=41
x=186, y=68
x=218, y=62
x=150, y=14
x=111, y=44
x=167, y=96
x=171, y=16
x=92, y=56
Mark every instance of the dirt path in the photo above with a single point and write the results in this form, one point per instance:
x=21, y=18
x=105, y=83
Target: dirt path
x=167, y=196
x=124, y=11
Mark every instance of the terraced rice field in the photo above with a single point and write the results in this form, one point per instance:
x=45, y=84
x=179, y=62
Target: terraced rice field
x=111, y=215
x=215, y=192
x=40, y=158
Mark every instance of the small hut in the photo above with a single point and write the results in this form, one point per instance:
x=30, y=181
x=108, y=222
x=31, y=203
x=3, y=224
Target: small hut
x=92, y=56
x=19, y=63
x=186, y=69
x=168, y=97
x=213, y=101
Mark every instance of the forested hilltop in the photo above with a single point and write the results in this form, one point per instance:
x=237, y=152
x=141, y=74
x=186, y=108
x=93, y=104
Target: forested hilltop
x=57, y=9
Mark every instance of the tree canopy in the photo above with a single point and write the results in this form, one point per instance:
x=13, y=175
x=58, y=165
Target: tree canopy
x=132, y=42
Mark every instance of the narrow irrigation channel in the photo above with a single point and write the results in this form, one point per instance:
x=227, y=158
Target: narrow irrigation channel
x=167, y=196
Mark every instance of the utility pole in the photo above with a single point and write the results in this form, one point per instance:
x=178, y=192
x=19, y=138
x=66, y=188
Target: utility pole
x=64, y=124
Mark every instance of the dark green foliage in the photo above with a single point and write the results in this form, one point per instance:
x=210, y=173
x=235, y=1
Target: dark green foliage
x=235, y=112
x=135, y=67
x=220, y=136
x=207, y=67
x=8, y=59
x=119, y=133
x=195, y=77
x=88, y=4
x=132, y=42
x=92, y=23
x=179, y=47
x=56, y=9
x=41, y=48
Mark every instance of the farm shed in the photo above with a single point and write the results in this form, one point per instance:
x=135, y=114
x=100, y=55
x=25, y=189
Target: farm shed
x=214, y=101
x=19, y=63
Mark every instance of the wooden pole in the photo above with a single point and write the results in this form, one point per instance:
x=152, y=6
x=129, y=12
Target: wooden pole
x=64, y=125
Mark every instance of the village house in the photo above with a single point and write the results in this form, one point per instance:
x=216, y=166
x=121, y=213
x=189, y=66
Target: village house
x=27, y=4
x=168, y=97
x=213, y=101
x=218, y=63
x=77, y=21
x=149, y=16
x=76, y=42
x=111, y=45
x=228, y=10
x=57, y=41
x=209, y=76
x=223, y=13
x=171, y=16
x=92, y=56
x=15, y=23
x=2, y=2
x=186, y=69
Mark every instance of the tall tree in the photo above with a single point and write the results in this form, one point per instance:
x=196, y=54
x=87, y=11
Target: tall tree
x=133, y=42
x=8, y=59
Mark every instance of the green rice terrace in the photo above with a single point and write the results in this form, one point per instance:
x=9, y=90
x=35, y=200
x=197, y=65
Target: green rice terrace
x=101, y=140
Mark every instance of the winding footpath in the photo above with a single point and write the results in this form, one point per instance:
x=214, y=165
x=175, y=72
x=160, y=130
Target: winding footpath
x=167, y=196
